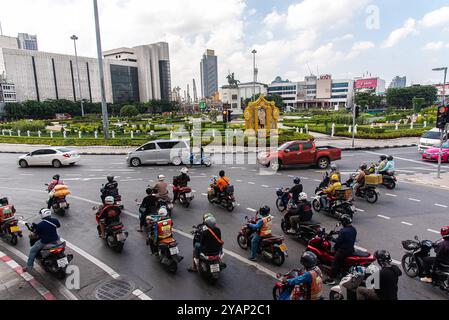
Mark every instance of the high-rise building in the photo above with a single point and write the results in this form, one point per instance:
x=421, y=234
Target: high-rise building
x=209, y=74
x=9, y=42
x=27, y=41
x=398, y=82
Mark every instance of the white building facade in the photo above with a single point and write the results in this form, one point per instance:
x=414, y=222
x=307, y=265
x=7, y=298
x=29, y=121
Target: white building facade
x=235, y=96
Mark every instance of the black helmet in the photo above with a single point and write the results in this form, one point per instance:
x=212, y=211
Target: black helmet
x=149, y=191
x=383, y=157
x=56, y=177
x=346, y=220
x=264, y=211
x=222, y=173
x=297, y=180
x=309, y=260
x=383, y=257
x=390, y=158
x=363, y=166
x=110, y=178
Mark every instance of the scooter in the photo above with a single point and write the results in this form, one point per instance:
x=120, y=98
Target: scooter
x=115, y=235
x=336, y=207
x=9, y=227
x=283, y=291
x=306, y=231
x=225, y=200
x=60, y=206
x=197, y=160
x=115, y=193
x=185, y=195
x=357, y=277
x=52, y=256
x=283, y=198
x=168, y=253
x=389, y=179
x=368, y=192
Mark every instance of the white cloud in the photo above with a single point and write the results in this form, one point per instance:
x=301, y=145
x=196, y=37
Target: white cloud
x=436, y=18
x=274, y=19
x=434, y=45
x=409, y=28
x=363, y=45
x=345, y=37
x=252, y=11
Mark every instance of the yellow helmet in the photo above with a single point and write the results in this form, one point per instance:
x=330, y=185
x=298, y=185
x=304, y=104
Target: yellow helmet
x=335, y=178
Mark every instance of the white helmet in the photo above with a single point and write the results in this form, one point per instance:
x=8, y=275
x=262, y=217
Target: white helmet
x=44, y=213
x=109, y=200
x=184, y=170
x=161, y=177
x=303, y=196
x=162, y=212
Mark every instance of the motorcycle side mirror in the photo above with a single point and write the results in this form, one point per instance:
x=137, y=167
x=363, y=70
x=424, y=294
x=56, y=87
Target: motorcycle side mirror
x=278, y=276
x=416, y=238
x=94, y=208
x=246, y=217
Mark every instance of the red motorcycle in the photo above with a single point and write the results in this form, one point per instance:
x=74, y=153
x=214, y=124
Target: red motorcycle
x=272, y=248
x=321, y=245
x=283, y=291
x=185, y=195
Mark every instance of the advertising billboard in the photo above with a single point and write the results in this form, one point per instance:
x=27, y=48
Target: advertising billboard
x=324, y=89
x=366, y=83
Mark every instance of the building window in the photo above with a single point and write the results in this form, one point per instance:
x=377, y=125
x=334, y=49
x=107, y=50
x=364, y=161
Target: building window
x=340, y=90
x=125, y=84
x=340, y=85
x=340, y=97
x=235, y=97
x=165, y=79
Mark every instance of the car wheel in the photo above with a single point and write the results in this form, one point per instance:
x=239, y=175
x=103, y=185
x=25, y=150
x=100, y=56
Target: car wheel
x=323, y=163
x=177, y=161
x=56, y=164
x=275, y=166
x=135, y=162
x=23, y=164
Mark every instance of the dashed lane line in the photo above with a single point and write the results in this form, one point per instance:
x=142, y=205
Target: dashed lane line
x=251, y=209
x=265, y=186
x=440, y=205
x=407, y=223
x=391, y=195
x=384, y=217
x=414, y=200
x=433, y=231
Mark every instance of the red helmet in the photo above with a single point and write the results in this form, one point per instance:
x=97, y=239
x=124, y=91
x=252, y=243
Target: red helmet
x=445, y=232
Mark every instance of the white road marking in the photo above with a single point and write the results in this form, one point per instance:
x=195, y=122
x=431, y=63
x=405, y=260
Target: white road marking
x=204, y=194
x=238, y=180
x=252, y=183
x=290, y=176
x=142, y=296
x=391, y=195
x=407, y=223
x=384, y=217
x=265, y=186
x=404, y=159
x=415, y=200
x=317, y=180
x=396, y=262
x=433, y=231
x=440, y=205
x=360, y=248
x=361, y=210
x=251, y=209
x=304, y=178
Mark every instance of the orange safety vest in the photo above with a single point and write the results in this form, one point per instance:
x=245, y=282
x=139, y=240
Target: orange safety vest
x=164, y=229
x=267, y=226
x=316, y=287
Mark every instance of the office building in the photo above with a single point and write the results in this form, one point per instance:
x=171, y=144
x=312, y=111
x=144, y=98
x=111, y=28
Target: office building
x=27, y=41
x=209, y=74
x=9, y=42
x=398, y=82
x=235, y=96
x=370, y=84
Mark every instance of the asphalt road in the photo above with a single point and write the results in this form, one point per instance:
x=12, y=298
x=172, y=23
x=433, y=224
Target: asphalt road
x=399, y=215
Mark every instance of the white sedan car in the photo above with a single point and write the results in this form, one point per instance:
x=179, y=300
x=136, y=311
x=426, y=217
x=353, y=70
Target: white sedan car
x=56, y=157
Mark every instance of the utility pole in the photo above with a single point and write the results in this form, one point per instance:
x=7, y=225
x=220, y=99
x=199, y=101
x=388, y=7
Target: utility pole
x=353, y=125
x=74, y=38
x=104, y=106
x=254, y=75
x=443, y=130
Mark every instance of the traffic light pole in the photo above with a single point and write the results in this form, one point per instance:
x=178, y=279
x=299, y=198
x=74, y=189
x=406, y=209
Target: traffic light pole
x=443, y=130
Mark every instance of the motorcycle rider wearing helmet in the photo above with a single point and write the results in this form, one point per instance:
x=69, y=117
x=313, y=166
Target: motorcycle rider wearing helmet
x=161, y=189
x=262, y=228
x=334, y=170
x=389, y=168
x=46, y=230
x=296, y=190
x=110, y=188
x=343, y=247
x=56, y=181
x=335, y=185
x=388, y=280
x=312, y=278
x=180, y=181
x=304, y=213
x=442, y=255
x=360, y=178
x=107, y=214
x=207, y=241
x=382, y=163
x=161, y=229
x=223, y=182
x=147, y=207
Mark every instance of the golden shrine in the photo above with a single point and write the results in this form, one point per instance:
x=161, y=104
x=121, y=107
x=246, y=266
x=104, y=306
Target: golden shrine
x=261, y=115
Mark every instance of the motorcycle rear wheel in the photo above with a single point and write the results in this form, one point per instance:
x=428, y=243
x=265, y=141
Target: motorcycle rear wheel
x=242, y=242
x=316, y=205
x=280, y=205
x=371, y=196
x=336, y=296
x=173, y=267
x=13, y=240
x=278, y=258
x=409, y=265
x=390, y=185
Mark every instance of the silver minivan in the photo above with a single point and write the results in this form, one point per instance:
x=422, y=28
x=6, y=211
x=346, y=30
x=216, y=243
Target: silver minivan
x=174, y=152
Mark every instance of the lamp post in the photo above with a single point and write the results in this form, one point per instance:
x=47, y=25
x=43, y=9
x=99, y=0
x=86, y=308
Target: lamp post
x=254, y=74
x=440, y=153
x=104, y=106
x=74, y=38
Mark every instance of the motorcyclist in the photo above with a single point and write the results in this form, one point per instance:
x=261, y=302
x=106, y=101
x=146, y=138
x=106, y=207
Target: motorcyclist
x=360, y=178
x=304, y=213
x=262, y=228
x=207, y=241
x=382, y=163
x=107, y=214
x=388, y=280
x=162, y=189
x=296, y=190
x=222, y=183
x=4, y=202
x=312, y=278
x=110, y=188
x=343, y=247
x=180, y=181
x=389, y=168
x=334, y=170
x=46, y=230
x=161, y=229
x=335, y=185
x=442, y=255
x=56, y=181
x=147, y=207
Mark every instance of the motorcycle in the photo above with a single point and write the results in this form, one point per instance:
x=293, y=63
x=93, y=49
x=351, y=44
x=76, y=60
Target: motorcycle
x=60, y=206
x=389, y=180
x=168, y=205
x=324, y=183
x=185, y=195
x=9, y=225
x=337, y=207
x=368, y=192
x=283, y=198
x=321, y=246
x=348, y=285
x=225, y=199
x=168, y=253
x=209, y=266
x=52, y=256
x=115, y=235
x=271, y=248
x=413, y=263
x=306, y=231
x=113, y=193
x=283, y=291
x=197, y=160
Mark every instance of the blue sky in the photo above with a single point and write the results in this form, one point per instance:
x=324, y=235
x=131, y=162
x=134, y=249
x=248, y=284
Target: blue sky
x=329, y=36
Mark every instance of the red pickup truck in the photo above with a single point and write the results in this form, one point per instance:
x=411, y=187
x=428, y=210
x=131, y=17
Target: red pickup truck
x=299, y=153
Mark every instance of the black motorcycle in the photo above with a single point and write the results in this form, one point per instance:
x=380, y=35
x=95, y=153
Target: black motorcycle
x=414, y=265
x=368, y=192
x=225, y=200
x=305, y=232
x=168, y=253
x=335, y=208
x=52, y=256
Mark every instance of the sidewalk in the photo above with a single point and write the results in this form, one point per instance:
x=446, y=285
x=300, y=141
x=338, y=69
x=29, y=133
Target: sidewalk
x=18, y=285
x=429, y=180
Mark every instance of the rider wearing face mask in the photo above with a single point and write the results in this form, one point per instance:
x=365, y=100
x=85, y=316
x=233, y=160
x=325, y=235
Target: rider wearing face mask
x=442, y=255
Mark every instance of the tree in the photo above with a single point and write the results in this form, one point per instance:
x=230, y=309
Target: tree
x=129, y=111
x=368, y=100
x=403, y=97
x=418, y=104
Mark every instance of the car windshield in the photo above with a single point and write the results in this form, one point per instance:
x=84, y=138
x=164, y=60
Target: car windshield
x=284, y=146
x=431, y=135
x=63, y=150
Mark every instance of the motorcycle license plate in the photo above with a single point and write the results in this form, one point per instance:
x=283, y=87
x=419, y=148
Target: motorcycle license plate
x=14, y=229
x=188, y=195
x=283, y=247
x=215, y=268
x=174, y=251
x=121, y=237
x=63, y=262
x=63, y=205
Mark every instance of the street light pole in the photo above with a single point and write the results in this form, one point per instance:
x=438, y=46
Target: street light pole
x=440, y=153
x=104, y=106
x=353, y=125
x=254, y=74
x=74, y=38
